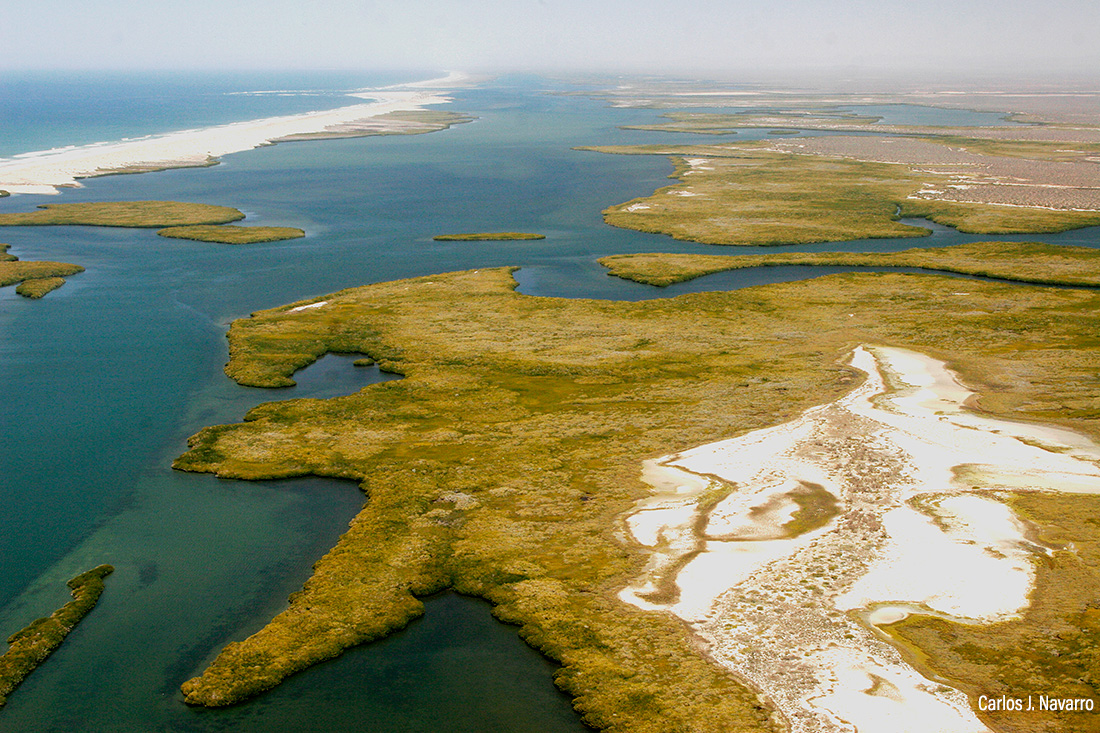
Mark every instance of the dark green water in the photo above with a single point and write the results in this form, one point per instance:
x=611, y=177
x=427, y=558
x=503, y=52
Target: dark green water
x=105, y=379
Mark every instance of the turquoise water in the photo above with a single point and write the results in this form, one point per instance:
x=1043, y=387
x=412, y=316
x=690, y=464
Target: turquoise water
x=45, y=110
x=105, y=379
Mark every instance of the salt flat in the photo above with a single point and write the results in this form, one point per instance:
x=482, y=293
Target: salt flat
x=920, y=527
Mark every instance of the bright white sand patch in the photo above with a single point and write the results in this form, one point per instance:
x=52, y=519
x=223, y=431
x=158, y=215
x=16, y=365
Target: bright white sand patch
x=978, y=566
x=637, y=207
x=919, y=527
x=699, y=163
x=307, y=307
x=43, y=172
x=878, y=697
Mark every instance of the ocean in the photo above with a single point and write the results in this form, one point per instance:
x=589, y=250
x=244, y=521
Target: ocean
x=106, y=378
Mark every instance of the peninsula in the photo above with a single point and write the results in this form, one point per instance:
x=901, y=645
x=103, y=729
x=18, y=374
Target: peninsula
x=509, y=462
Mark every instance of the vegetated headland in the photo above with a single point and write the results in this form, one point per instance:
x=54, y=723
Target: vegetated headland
x=749, y=194
x=31, y=646
x=503, y=463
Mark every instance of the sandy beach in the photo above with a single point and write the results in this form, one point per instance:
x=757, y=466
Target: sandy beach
x=45, y=171
x=918, y=526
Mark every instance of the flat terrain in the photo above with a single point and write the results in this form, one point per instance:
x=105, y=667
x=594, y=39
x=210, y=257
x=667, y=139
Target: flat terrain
x=503, y=463
x=34, y=279
x=1021, y=261
x=231, y=234
x=124, y=214
x=751, y=194
x=31, y=646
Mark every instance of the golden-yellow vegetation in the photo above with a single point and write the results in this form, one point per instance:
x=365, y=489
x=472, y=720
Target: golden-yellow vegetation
x=123, y=214
x=31, y=646
x=745, y=195
x=502, y=464
x=1028, y=262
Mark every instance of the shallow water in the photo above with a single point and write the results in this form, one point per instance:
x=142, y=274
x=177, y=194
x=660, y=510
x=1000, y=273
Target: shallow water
x=105, y=379
x=41, y=110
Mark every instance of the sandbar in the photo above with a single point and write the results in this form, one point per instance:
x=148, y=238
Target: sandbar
x=44, y=172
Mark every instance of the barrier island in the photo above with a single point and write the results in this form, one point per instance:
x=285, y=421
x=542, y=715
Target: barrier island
x=31, y=646
x=505, y=461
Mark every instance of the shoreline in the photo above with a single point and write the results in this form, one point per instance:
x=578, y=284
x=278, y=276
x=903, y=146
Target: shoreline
x=45, y=172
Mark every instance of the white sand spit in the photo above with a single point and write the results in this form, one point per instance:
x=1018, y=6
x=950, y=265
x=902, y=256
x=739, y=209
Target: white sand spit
x=918, y=526
x=44, y=172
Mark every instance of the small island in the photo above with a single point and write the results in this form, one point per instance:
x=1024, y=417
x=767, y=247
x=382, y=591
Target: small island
x=31, y=646
x=232, y=234
x=199, y=222
x=33, y=279
x=488, y=237
x=138, y=214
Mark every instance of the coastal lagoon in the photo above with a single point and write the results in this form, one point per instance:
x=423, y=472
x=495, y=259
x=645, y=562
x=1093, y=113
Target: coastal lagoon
x=107, y=377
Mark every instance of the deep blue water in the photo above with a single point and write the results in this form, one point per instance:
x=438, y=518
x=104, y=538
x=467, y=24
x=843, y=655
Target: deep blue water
x=105, y=378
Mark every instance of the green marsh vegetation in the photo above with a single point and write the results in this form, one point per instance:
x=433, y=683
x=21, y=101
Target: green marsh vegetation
x=232, y=234
x=198, y=222
x=36, y=288
x=33, y=279
x=738, y=194
x=124, y=214
x=502, y=464
x=30, y=647
x=1029, y=262
x=487, y=237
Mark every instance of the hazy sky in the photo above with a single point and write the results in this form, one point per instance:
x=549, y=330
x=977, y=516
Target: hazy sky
x=672, y=36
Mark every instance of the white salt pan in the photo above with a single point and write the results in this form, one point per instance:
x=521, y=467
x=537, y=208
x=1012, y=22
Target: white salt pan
x=918, y=529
